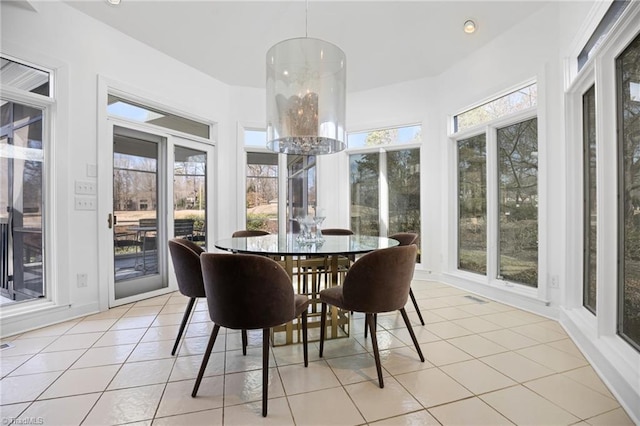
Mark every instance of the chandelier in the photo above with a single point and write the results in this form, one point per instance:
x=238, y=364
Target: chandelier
x=306, y=91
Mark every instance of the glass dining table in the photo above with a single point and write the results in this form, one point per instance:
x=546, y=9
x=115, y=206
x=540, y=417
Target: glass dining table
x=312, y=265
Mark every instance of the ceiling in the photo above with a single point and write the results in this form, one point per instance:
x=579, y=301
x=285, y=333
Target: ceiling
x=385, y=42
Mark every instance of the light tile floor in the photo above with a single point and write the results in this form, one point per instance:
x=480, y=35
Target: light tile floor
x=486, y=364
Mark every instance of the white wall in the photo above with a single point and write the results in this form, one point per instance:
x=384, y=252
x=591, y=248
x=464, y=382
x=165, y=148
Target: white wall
x=82, y=48
x=535, y=49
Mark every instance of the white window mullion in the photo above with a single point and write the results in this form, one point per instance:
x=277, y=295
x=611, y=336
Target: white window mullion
x=383, y=189
x=492, y=205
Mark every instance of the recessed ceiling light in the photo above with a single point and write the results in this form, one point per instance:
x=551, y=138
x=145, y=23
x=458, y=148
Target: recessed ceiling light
x=114, y=2
x=469, y=26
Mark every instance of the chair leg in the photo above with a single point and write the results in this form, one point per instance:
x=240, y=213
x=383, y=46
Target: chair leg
x=305, y=339
x=415, y=305
x=375, y=322
x=244, y=342
x=413, y=335
x=323, y=325
x=265, y=370
x=205, y=359
x=185, y=318
x=374, y=343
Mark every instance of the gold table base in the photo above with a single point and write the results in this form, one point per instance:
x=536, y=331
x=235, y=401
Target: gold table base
x=310, y=275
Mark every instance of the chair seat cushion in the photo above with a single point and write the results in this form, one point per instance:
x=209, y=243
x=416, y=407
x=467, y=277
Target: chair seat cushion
x=333, y=296
x=301, y=303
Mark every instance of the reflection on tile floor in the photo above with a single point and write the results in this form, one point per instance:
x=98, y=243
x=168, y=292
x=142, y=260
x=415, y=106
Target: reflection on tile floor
x=486, y=363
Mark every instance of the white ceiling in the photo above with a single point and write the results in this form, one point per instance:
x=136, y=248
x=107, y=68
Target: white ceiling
x=385, y=41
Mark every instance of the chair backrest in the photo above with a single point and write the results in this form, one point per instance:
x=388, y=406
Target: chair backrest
x=380, y=281
x=246, y=291
x=405, y=238
x=337, y=231
x=249, y=233
x=186, y=263
x=183, y=227
x=147, y=222
x=193, y=246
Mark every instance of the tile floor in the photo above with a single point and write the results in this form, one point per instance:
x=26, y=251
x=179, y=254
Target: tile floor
x=486, y=364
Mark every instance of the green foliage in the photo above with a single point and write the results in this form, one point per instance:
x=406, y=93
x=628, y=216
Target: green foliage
x=257, y=222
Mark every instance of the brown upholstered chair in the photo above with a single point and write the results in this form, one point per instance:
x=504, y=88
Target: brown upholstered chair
x=249, y=233
x=405, y=239
x=249, y=292
x=377, y=282
x=186, y=263
x=337, y=231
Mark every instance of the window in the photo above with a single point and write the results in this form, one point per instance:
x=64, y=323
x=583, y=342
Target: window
x=512, y=220
x=610, y=17
x=628, y=76
x=521, y=99
x=23, y=272
x=472, y=204
x=518, y=202
x=590, y=203
x=262, y=191
x=390, y=136
x=301, y=189
x=129, y=110
x=25, y=77
x=385, y=184
x=261, y=176
x=365, y=193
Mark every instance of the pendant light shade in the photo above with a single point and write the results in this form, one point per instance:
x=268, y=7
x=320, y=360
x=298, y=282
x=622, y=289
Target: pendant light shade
x=306, y=91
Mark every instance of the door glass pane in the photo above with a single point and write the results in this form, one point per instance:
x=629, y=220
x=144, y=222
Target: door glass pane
x=403, y=174
x=190, y=194
x=518, y=202
x=628, y=65
x=135, y=198
x=590, y=203
x=21, y=204
x=472, y=204
x=364, y=172
x=262, y=192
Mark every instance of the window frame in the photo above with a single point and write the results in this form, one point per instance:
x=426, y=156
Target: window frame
x=598, y=334
x=383, y=188
x=490, y=128
x=54, y=141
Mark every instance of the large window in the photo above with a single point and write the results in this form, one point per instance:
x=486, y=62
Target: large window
x=22, y=183
x=497, y=227
x=518, y=100
x=472, y=204
x=365, y=193
x=261, y=177
x=518, y=202
x=385, y=181
x=628, y=90
x=301, y=189
x=590, y=202
x=262, y=191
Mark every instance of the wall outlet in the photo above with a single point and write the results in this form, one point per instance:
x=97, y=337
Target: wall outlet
x=85, y=187
x=85, y=203
x=82, y=280
x=555, y=282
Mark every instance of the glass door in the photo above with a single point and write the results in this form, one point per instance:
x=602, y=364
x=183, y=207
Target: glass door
x=21, y=203
x=139, y=257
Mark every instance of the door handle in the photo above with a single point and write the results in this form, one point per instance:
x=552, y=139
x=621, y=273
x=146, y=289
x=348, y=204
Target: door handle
x=110, y=221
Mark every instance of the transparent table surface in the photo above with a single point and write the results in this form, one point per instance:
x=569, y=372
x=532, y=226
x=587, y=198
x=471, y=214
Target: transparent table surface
x=288, y=244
